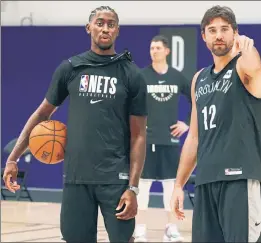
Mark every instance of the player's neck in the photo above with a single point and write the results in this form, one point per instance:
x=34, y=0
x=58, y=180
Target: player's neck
x=221, y=62
x=101, y=52
x=160, y=67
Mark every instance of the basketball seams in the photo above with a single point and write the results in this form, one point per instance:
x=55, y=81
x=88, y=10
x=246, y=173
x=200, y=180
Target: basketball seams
x=53, y=142
x=51, y=129
x=61, y=145
x=44, y=134
x=42, y=146
x=47, y=135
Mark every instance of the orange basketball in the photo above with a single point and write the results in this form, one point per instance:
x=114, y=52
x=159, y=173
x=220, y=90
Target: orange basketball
x=47, y=141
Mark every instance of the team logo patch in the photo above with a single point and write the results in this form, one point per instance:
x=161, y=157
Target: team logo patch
x=84, y=83
x=228, y=74
x=233, y=171
x=123, y=176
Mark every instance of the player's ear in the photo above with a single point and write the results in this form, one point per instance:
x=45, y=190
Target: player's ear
x=118, y=31
x=203, y=35
x=87, y=28
x=167, y=51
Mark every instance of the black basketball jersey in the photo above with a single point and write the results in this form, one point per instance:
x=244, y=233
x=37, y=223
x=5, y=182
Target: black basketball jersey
x=229, y=127
x=164, y=91
x=103, y=92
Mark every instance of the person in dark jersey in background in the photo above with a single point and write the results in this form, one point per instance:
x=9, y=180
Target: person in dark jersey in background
x=106, y=136
x=164, y=87
x=224, y=137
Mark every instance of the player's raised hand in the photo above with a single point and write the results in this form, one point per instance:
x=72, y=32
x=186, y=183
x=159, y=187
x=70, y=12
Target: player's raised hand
x=243, y=43
x=10, y=176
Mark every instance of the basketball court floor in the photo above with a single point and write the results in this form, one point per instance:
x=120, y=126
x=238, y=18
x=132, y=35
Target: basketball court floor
x=39, y=222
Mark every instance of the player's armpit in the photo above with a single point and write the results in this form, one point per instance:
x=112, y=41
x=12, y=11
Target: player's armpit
x=252, y=83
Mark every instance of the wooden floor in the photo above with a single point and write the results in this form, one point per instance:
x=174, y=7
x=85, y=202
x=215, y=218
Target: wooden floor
x=39, y=222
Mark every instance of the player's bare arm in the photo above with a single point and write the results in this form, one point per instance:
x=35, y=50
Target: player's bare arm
x=138, y=148
x=137, y=158
x=189, y=151
x=249, y=65
x=188, y=155
x=42, y=113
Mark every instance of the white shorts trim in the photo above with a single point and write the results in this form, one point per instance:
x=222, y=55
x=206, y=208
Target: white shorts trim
x=254, y=210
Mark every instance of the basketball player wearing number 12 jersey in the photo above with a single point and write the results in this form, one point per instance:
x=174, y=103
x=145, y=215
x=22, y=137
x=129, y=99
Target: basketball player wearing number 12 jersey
x=224, y=137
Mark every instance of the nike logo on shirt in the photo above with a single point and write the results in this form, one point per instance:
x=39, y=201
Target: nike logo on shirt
x=95, y=101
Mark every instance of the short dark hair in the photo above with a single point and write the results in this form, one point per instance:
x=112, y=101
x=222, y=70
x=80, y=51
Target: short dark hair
x=101, y=8
x=161, y=38
x=217, y=11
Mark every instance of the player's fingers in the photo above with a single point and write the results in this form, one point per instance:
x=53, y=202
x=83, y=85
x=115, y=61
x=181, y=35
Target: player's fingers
x=250, y=44
x=8, y=183
x=120, y=205
x=182, y=131
x=175, y=206
x=15, y=186
x=128, y=215
x=127, y=212
x=179, y=215
x=236, y=42
x=5, y=177
x=180, y=204
x=179, y=134
x=175, y=132
x=124, y=212
x=132, y=214
x=244, y=44
x=173, y=126
x=14, y=177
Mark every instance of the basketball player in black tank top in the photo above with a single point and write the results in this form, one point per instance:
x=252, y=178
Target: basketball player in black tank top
x=224, y=137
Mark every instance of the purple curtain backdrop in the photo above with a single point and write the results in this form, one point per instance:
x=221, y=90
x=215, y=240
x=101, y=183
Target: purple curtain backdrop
x=31, y=54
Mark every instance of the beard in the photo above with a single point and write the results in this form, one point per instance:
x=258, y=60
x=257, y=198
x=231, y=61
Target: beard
x=222, y=50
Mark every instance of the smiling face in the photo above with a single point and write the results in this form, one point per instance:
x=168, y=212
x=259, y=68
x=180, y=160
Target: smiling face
x=219, y=36
x=104, y=30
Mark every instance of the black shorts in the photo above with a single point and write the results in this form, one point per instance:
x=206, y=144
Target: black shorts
x=161, y=162
x=79, y=213
x=227, y=211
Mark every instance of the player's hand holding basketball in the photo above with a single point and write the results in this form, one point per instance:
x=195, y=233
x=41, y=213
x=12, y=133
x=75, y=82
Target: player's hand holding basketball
x=11, y=171
x=177, y=200
x=128, y=203
x=179, y=129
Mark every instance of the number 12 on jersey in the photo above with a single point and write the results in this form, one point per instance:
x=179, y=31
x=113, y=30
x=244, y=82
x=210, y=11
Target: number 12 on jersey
x=209, y=114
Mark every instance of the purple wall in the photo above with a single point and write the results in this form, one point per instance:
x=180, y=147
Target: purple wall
x=29, y=57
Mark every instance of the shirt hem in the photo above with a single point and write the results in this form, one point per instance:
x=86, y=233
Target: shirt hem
x=198, y=183
x=123, y=182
